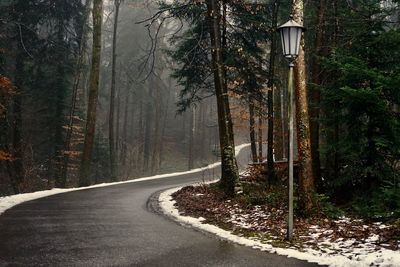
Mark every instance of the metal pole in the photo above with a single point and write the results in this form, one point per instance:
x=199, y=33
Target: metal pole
x=290, y=150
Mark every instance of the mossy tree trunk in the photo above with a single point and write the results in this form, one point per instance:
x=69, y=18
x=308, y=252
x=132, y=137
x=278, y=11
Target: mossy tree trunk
x=229, y=174
x=306, y=176
x=84, y=176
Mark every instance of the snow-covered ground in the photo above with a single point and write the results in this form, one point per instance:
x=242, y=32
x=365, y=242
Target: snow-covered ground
x=10, y=201
x=338, y=254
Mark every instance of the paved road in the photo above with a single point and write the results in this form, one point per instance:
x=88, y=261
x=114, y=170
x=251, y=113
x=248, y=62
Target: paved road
x=112, y=226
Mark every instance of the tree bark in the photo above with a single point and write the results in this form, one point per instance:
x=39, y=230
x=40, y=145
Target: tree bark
x=271, y=77
x=191, y=138
x=125, y=130
x=84, y=177
x=203, y=133
x=141, y=133
x=118, y=131
x=156, y=137
x=252, y=122
x=260, y=134
x=279, y=132
x=148, y=125
x=315, y=97
x=164, y=126
x=17, y=142
x=306, y=177
x=229, y=169
x=332, y=160
x=60, y=91
x=77, y=81
x=111, y=138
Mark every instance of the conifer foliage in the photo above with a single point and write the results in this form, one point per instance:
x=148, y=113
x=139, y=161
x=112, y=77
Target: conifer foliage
x=364, y=99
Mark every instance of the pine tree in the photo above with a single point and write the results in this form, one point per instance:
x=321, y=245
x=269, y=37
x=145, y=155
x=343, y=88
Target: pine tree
x=364, y=96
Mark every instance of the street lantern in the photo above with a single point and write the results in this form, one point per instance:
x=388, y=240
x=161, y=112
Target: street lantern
x=290, y=33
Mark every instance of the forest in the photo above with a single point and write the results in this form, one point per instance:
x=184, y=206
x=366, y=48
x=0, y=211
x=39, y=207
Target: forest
x=95, y=91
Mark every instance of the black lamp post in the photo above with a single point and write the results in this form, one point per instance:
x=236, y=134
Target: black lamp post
x=290, y=33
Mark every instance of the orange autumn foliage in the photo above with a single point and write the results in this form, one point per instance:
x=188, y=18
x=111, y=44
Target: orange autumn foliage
x=6, y=86
x=7, y=90
x=4, y=156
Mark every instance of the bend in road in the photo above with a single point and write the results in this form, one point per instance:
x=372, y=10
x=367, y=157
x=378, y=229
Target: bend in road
x=111, y=226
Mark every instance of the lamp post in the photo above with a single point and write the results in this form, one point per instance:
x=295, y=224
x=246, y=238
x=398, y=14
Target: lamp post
x=290, y=35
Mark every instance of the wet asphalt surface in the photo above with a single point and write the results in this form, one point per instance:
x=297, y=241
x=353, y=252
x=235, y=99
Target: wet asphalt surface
x=115, y=226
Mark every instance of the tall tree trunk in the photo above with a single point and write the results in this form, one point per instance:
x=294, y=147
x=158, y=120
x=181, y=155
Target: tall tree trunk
x=279, y=133
x=260, y=134
x=60, y=88
x=191, y=137
x=271, y=77
x=156, y=137
x=203, y=132
x=252, y=122
x=284, y=123
x=149, y=122
x=164, y=126
x=77, y=81
x=141, y=137
x=111, y=139
x=84, y=177
x=229, y=169
x=306, y=177
x=17, y=142
x=134, y=142
x=332, y=161
x=118, y=132
x=315, y=92
x=125, y=130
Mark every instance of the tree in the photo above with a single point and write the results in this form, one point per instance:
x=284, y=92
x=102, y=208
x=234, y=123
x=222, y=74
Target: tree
x=7, y=91
x=84, y=178
x=306, y=177
x=252, y=123
x=270, y=85
x=230, y=174
x=363, y=95
x=78, y=88
x=315, y=95
x=111, y=129
x=201, y=76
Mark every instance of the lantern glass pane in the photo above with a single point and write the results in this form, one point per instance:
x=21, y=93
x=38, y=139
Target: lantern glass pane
x=299, y=32
x=283, y=42
x=293, y=40
x=286, y=40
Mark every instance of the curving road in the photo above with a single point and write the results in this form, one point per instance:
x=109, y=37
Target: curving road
x=113, y=226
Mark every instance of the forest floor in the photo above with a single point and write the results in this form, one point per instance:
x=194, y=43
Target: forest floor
x=259, y=215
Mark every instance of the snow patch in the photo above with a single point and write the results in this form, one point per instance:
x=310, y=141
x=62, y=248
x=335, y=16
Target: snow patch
x=337, y=254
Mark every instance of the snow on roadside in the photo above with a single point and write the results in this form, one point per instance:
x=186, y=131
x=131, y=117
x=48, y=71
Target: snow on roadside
x=10, y=201
x=338, y=254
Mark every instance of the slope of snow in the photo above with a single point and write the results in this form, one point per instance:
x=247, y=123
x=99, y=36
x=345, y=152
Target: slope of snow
x=341, y=255
x=10, y=201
